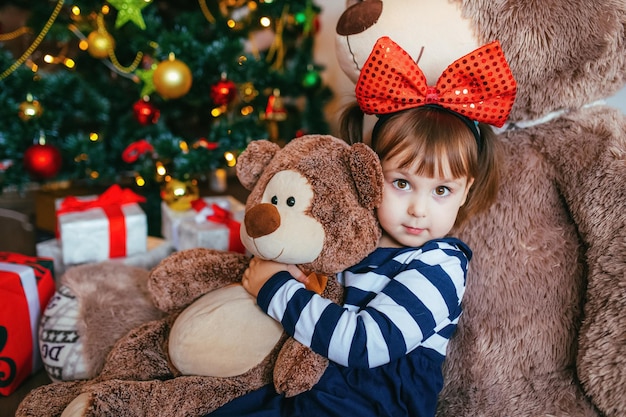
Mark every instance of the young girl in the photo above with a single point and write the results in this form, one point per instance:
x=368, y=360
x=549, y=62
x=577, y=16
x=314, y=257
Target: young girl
x=387, y=342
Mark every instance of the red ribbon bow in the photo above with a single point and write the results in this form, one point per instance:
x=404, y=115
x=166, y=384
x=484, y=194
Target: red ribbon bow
x=479, y=85
x=31, y=261
x=222, y=216
x=135, y=150
x=113, y=196
x=111, y=202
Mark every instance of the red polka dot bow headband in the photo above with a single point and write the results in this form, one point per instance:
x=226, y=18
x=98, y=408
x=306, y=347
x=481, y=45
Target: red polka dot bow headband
x=479, y=85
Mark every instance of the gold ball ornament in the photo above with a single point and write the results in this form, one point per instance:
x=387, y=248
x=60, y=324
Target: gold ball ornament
x=172, y=78
x=29, y=109
x=99, y=44
x=178, y=195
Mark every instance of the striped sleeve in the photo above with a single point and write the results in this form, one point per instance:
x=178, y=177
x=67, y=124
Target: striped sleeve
x=420, y=302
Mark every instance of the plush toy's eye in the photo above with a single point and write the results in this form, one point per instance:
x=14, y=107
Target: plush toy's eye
x=291, y=201
x=274, y=200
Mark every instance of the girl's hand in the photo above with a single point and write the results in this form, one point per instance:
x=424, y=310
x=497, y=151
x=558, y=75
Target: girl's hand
x=259, y=271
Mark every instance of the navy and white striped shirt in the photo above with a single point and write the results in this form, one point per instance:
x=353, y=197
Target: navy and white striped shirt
x=396, y=300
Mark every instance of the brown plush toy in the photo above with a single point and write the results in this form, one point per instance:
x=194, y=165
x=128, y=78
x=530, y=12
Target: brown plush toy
x=311, y=204
x=544, y=325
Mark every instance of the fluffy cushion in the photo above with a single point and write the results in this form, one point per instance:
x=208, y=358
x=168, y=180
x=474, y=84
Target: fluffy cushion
x=94, y=313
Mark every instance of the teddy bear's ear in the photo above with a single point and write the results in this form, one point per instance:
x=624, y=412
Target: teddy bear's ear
x=253, y=160
x=367, y=174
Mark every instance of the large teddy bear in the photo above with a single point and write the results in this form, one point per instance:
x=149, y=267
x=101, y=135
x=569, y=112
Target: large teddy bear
x=311, y=204
x=544, y=325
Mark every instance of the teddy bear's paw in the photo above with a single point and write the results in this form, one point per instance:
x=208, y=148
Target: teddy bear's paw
x=78, y=406
x=139, y=355
x=185, y=396
x=297, y=368
x=49, y=400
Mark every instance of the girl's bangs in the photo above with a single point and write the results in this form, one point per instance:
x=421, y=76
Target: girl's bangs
x=442, y=156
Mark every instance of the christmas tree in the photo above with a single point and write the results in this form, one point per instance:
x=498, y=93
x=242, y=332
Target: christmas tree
x=152, y=90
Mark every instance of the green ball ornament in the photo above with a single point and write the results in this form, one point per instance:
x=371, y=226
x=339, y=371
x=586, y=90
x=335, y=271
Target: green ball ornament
x=300, y=18
x=311, y=80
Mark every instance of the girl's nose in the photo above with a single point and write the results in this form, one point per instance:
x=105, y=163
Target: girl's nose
x=417, y=207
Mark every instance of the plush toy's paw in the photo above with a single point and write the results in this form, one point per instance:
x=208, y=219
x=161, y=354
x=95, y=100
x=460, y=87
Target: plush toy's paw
x=185, y=396
x=139, y=355
x=49, y=400
x=297, y=368
x=78, y=406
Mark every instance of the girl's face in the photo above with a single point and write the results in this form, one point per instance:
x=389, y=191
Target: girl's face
x=416, y=208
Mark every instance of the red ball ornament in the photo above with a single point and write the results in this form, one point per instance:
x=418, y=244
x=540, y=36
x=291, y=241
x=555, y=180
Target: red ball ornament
x=145, y=112
x=42, y=161
x=223, y=92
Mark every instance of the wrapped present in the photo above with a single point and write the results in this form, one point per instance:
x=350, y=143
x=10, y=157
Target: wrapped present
x=214, y=222
x=48, y=197
x=157, y=250
x=109, y=226
x=26, y=286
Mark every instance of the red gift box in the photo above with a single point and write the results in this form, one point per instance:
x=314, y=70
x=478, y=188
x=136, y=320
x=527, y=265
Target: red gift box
x=26, y=286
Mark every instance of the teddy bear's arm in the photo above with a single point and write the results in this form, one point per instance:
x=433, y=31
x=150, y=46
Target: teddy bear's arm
x=297, y=367
x=184, y=276
x=591, y=172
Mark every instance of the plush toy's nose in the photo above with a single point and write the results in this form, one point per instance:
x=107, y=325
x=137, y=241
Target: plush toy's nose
x=261, y=220
x=359, y=17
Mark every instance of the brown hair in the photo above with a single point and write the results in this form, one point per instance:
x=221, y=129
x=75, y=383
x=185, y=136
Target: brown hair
x=433, y=135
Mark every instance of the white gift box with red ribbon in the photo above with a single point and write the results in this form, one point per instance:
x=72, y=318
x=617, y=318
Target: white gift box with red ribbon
x=157, y=250
x=213, y=223
x=110, y=226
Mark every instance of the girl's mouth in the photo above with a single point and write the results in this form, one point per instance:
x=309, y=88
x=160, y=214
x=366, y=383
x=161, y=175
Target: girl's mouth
x=413, y=230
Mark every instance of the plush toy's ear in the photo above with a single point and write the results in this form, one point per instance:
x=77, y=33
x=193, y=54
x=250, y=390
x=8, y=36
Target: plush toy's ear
x=367, y=174
x=253, y=160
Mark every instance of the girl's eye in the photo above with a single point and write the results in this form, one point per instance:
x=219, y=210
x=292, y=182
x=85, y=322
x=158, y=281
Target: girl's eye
x=442, y=191
x=274, y=200
x=401, y=184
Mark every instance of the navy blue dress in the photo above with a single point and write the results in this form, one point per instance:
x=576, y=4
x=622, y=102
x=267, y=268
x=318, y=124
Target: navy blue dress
x=404, y=302
x=346, y=392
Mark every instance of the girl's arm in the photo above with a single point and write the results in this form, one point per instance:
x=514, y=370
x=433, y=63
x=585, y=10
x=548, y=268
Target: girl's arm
x=417, y=303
